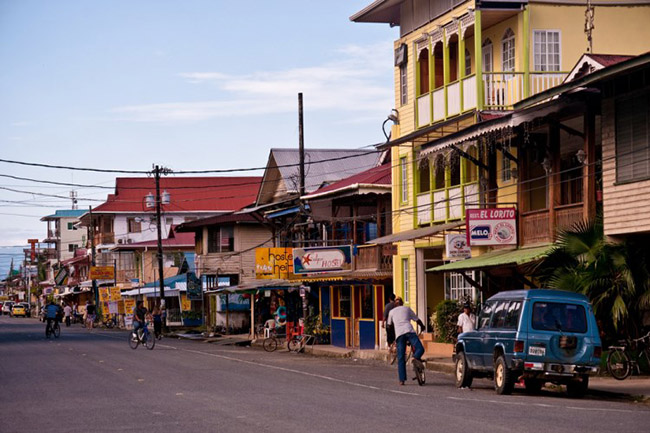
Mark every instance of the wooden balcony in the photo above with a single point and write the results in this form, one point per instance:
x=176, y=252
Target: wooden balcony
x=536, y=226
x=373, y=257
x=104, y=238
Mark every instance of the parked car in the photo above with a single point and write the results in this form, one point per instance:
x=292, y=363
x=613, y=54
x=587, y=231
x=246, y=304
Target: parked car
x=18, y=310
x=536, y=335
x=28, y=309
x=6, y=307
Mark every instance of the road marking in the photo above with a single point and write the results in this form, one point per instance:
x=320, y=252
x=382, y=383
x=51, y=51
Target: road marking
x=140, y=380
x=518, y=403
x=119, y=369
x=179, y=393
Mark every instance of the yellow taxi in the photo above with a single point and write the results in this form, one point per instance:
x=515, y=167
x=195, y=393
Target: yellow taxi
x=18, y=310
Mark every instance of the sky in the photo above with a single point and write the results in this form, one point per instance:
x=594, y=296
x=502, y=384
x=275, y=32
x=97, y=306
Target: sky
x=189, y=85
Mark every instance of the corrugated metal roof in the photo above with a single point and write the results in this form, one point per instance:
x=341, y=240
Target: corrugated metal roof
x=65, y=213
x=380, y=175
x=336, y=164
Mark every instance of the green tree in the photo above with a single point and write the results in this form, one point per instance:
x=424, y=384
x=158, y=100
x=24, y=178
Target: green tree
x=613, y=275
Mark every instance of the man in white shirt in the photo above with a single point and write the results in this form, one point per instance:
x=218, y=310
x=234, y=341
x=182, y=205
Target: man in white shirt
x=67, y=311
x=466, y=320
x=400, y=317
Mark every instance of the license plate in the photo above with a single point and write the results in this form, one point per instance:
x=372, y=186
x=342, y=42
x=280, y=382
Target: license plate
x=537, y=351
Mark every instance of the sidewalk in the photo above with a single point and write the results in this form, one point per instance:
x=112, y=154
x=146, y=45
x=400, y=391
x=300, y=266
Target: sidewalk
x=635, y=387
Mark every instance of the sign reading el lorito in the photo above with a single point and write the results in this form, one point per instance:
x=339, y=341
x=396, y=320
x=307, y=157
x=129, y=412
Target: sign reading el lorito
x=102, y=273
x=494, y=226
x=322, y=259
x=457, y=247
x=273, y=263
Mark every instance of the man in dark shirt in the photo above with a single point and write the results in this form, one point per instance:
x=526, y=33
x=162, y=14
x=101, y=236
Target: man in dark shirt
x=390, y=329
x=139, y=314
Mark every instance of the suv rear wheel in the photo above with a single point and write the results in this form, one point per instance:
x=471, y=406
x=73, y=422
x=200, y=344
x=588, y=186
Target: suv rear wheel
x=463, y=372
x=504, y=380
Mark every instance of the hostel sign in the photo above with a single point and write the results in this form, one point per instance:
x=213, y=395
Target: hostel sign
x=322, y=259
x=273, y=263
x=494, y=226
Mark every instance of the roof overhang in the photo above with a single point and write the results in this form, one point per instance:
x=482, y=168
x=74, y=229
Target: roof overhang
x=410, y=235
x=379, y=11
x=498, y=258
x=358, y=188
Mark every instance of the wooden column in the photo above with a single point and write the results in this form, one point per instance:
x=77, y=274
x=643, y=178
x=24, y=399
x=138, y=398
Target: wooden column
x=589, y=169
x=553, y=177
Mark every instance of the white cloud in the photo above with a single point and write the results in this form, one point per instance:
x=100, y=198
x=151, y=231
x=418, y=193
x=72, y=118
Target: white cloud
x=354, y=83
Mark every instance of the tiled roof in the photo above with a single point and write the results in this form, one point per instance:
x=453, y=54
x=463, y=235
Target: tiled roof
x=380, y=175
x=609, y=59
x=188, y=194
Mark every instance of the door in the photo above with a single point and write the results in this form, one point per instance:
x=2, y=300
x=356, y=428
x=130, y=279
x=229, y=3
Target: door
x=488, y=78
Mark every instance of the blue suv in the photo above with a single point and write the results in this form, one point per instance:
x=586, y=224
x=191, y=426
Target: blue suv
x=536, y=335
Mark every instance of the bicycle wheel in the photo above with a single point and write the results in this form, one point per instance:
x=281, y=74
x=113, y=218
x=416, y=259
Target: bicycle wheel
x=418, y=368
x=618, y=364
x=56, y=330
x=270, y=344
x=133, y=340
x=295, y=344
x=47, y=331
x=148, y=341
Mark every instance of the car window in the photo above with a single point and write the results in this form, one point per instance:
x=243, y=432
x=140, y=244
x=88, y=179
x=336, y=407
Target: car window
x=499, y=315
x=484, y=316
x=557, y=316
x=512, y=315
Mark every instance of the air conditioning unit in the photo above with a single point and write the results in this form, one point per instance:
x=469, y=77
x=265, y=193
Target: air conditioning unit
x=120, y=241
x=129, y=240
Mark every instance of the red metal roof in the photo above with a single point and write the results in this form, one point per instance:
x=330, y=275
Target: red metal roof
x=380, y=175
x=609, y=59
x=188, y=194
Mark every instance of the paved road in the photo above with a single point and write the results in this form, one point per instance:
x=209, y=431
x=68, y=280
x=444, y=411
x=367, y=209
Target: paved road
x=92, y=381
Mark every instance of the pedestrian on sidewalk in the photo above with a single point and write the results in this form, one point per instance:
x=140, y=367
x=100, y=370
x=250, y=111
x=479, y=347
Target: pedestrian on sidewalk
x=157, y=322
x=67, y=312
x=390, y=330
x=401, y=317
x=466, y=319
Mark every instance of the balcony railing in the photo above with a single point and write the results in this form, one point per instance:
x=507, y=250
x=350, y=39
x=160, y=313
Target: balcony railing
x=446, y=204
x=500, y=91
x=373, y=257
x=566, y=216
x=535, y=226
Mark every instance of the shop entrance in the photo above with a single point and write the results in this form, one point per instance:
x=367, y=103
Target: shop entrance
x=430, y=285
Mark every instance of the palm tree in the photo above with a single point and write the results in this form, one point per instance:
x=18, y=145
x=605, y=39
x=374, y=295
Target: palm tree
x=614, y=276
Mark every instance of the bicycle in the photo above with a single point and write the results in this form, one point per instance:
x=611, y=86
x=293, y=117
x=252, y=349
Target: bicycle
x=392, y=352
x=52, y=327
x=109, y=323
x=270, y=343
x=620, y=360
x=298, y=342
x=419, y=371
x=142, y=336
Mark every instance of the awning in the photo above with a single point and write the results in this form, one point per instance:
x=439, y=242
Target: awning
x=281, y=212
x=415, y=234
x=492, y=259
x=255, y=285
x=155, y=291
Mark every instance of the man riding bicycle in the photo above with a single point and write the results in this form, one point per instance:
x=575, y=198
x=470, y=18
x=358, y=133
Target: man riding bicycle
x=139, y=317
x=401, y=317
x=52, y=313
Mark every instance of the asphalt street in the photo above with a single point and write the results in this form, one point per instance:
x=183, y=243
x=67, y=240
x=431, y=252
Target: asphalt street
x=92, y=381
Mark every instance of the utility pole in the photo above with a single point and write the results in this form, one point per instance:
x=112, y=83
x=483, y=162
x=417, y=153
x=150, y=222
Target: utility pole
x=92, y=254
x=301, y=146
x=161, y=274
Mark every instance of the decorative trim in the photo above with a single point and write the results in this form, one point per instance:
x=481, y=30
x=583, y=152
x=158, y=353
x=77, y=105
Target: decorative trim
x=450, y=30
x=421, y=43
x=466, y=21
x=436, y=36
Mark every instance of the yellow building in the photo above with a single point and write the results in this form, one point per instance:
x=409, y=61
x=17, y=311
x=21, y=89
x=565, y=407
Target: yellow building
x=458, y=63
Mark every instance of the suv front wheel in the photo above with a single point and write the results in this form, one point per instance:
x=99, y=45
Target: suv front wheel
x=463, y=372
x=504, y=380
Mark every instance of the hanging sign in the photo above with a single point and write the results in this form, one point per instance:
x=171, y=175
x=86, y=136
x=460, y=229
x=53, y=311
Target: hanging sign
x=273, y=263
x=322, y=259
x=115, y=294
x=194, y=288
x=129, y=306
x=104, y=295
x=495, y=226
x=102, y=273
x=456, y=246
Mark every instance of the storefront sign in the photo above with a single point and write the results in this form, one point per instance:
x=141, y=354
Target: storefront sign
x=112, y=308
x=129, y=305
x=186, y=304
x=322, y=259
x=273, y=263
x=457, y=247
x=102, y=273
x=115, y=294
x=194, y=289
x=120, y=307
x=495, y=226
x=104, y=295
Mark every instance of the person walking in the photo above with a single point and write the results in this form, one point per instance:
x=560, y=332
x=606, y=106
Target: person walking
x=67, y=312
x=401, y=317
x=90, y=315
x=390, y=330
x=157, y=322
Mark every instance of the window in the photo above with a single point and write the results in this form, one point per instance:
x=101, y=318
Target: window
x=72, y=247
x=506, y=168
x=169, y=221
x=570, y=179
x=454, y=169
x=221, y=239
x=439, y=167
x=471, y=170
x=484, y=316
x=546, y=50
x=71, y=226
x=508, y=51
x=404, y=179
x=209, y=282
x=512, y=315
x=555, y=316
x=423, y=65
x=405, y=279
x=367, y=311
x=468, y=63
x=403, y=84
x=458, y=289
x=487, y=55
x=499, y=316
x=425, y=176
x=633, y=137
x=133, y=225
x=342, y=293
